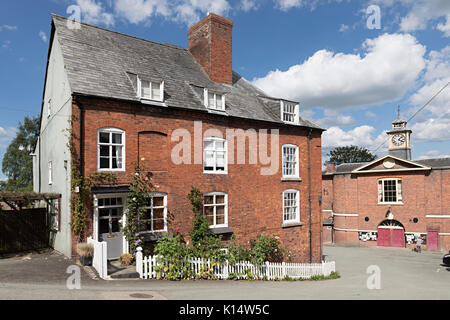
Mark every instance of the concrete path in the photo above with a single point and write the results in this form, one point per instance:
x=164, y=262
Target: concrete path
x=404, y=275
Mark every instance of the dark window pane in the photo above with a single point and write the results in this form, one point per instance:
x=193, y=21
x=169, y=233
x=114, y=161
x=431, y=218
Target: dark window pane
x=103, y=226
x=104, y=137
x=148, y=214
x=107, y=202
x=220, y=219
x=115, y=225
x=104, y=163
x=103, y=212
x=158, y=201
x=104, y=151
x=100, y=202
x=158, y=224
x=117, y=138
x=209, y=199
x=220, y=199
x=113, y=201
x=158, y=213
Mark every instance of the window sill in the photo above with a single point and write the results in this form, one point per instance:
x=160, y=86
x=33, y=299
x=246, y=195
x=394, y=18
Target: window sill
x=216, y=172
x=292, y=179
x=221, y=230
x=390, y=203
x=153, y=102
x=111, y=170
x=291, y=224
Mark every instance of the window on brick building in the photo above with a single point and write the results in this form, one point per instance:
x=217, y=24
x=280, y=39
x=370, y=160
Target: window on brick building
x=155, y=216
x=151, y=90
x=289, y=112
x=214, y=100
x=214, y=155
x=390, y=191
x=111, y=149
x=215, y=208
x=291, y=206
x=290, y=161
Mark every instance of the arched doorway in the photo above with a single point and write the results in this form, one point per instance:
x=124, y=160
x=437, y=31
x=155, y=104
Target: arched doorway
x=391, y=233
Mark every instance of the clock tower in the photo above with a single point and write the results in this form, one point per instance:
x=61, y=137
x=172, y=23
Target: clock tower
x=400, y=139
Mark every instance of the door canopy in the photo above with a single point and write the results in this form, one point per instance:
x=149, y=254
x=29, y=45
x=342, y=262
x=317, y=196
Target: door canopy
x=391, y=224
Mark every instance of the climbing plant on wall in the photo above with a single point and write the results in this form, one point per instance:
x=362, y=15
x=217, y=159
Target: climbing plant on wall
x=140, y=188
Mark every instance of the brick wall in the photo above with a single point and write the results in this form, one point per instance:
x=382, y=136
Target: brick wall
x=424, y=193
x=254, y=201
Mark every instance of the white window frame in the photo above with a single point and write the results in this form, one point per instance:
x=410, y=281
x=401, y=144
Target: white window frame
x=215, y=205
x=295, y=113
x=215, y=171
x=50, y=172
x=297, y=213
x=297, y=157
x=151, y=207
x=110, y=130
x=398, y=191
x=206, y=100
x=139, y=90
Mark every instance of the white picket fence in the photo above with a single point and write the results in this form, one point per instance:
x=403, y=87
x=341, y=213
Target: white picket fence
x=100, y=260
x=146, y=267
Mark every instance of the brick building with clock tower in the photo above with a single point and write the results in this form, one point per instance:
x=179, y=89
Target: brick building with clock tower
x=389, y=201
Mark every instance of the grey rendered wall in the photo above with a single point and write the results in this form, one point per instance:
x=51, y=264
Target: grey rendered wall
x=52, y=145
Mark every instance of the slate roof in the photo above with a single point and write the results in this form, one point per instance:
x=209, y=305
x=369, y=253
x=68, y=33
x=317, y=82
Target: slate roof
x=97, y=61
x=438, y=163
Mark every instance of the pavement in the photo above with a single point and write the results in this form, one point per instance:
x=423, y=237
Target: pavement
x=403, y=275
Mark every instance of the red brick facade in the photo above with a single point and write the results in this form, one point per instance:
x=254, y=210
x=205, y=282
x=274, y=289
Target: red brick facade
x=352, y=200
x=210, y=42
x=254, y=200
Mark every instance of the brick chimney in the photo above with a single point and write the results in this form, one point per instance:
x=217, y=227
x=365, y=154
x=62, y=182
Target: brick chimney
x=331, y=167
x=210, y=42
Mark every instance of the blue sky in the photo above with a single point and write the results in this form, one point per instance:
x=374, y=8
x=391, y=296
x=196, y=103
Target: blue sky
x=348, y=77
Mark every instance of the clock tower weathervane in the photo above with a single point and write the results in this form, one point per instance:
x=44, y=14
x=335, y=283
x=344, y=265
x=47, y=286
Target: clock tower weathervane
x=400, y=139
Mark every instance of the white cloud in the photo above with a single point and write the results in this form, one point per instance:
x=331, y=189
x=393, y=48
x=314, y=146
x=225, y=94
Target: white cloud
x=8, y=28
x=363, y=136
x=6, y=44
x=248, y=5
x=285, y=5
x=136, y=11
x=343, y=28
x=94, y=13
x=433, y=154
x=43, y=36
x=333, y=118
x=370, y=114
x=388, y=68
x=421, y=13
x=433, y=123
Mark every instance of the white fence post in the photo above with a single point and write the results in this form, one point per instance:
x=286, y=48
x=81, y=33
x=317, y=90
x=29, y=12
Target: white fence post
x=100, y=258
x=139, y=262
x=284, y=269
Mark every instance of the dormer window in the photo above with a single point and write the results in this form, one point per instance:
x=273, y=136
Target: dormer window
x=150, y=90
x=214, y=100
x=289, y=112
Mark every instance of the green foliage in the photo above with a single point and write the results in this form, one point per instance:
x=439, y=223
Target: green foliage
x=126, y=259
x=140, y=188
x=17, y=162
x=266, y=248
x=204, y=244
x=200, y=226
x=350, y=154
x=237, y=252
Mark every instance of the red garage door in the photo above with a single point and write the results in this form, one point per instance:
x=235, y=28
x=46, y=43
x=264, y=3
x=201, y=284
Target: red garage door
x=384, y=237
x=432, y=240
x=398, y=238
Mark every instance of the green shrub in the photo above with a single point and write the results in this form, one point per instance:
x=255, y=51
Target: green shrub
x=126, y=259
x=266, y=248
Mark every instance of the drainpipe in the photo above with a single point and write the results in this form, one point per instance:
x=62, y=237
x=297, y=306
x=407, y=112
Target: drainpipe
x=309, y=196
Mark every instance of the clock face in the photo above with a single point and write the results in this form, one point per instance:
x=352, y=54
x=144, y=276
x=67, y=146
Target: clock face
x=398, y=139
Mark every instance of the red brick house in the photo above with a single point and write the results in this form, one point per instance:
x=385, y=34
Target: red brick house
x=390, y=201
x=130, y=100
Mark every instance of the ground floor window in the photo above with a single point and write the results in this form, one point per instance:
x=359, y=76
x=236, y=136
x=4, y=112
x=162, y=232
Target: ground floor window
x=155, y=217
x=215, y=209
x=291, y=206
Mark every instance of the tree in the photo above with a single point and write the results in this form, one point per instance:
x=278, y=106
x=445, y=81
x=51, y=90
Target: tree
x=17, y=162
x=350, y=154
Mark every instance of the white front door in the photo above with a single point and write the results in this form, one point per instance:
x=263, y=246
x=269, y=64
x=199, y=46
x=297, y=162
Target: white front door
x=109, y=220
